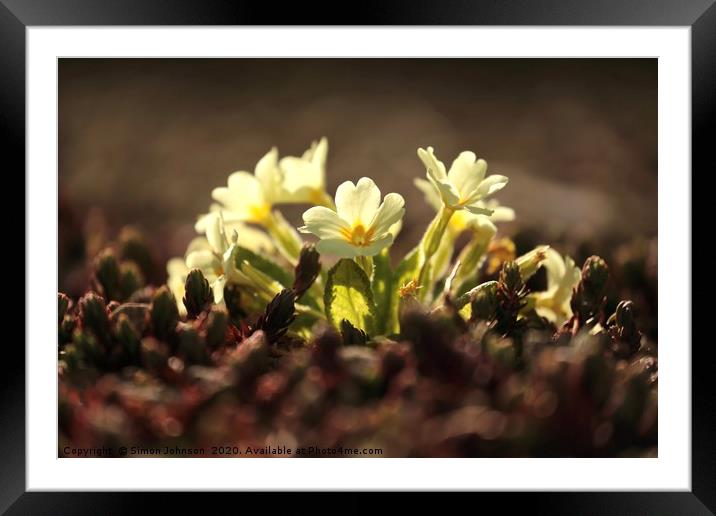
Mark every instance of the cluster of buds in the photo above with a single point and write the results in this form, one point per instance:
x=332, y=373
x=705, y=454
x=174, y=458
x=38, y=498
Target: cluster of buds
x=450, y=382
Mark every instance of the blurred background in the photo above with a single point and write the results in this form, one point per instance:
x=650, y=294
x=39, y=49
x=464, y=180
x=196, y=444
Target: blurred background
x=144, y=141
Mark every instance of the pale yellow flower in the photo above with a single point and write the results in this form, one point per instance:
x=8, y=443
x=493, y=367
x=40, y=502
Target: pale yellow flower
x=249, y=237
x=212, y=256
x=465, y=184
x=304, y=178
x=463, y=219
x=177, y=272
x=562, y=276
x=360, y=225
x=249, y=197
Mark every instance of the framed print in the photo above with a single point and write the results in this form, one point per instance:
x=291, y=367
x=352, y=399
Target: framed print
x=428, y=251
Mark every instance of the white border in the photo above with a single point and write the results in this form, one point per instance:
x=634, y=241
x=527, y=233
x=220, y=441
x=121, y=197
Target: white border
x=670, y=471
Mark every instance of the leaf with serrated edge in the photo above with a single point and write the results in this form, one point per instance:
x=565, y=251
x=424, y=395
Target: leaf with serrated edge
x=348, y=296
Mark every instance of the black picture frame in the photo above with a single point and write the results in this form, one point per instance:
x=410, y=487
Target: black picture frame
x=700, y=15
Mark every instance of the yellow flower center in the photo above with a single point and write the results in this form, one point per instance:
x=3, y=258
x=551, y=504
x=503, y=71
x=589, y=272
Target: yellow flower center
x=358, y=235
x=260, y=212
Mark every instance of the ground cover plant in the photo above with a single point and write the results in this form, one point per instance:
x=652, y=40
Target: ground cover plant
x=267, y=338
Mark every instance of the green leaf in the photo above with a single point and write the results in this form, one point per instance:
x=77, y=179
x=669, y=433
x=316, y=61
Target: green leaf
x=382, y=290
x=348, y=296
x=264, y=265
x=408, y=269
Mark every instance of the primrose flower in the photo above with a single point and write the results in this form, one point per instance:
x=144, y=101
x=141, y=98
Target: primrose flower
x=464, y=219
x=360, y=225
x=562, y=276
x=304, y=178
x=177, y=272
x=212, y=258
x=249, y=237
x=250, y=197
x=465, y=184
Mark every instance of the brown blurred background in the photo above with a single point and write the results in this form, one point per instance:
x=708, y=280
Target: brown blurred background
x=143, y=142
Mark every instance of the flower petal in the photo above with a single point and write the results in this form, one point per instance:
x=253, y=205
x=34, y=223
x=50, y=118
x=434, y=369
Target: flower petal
x=244, y=191
x=478, y=209
x=356, y=204
x=466, y=173
x=377, y=246
x=199, y=243
x=435, y=167
x=176, y=268
x=570, y=279
x=324, y=223
x=502, y=214
x=432, y=194
x=300, y=178
x=490, y=185
x=251, y=238
x=317, y=153
x=215, y=233
x=389, y=212
x=217, y=288
x=337, y=247
x=205, y=261
x=448, y=194
x=555, y=266
x=268, y=173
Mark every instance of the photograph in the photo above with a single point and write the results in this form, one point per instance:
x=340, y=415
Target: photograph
x=357, y=257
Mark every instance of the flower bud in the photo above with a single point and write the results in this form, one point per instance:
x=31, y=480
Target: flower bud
x=164, y=313
x=279, y=314
x=130, y=279
x=132, y=247
x=191, y=345
x=106, y=275
x=530, y=262
x=595, y=274
x=89, y=349
x=94, y=316
x=511, y=277
x=307, y=269
x=625, y=316
x=590, y=295
x=127, y=336
x=216, y=325
x=197, y=294
x=626, y=334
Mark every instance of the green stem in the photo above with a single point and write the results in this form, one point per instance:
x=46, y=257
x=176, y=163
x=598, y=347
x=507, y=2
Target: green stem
x=471, y=256
x=305, y=309
x=365, y=263
x=431, y=243
x=285, y=237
